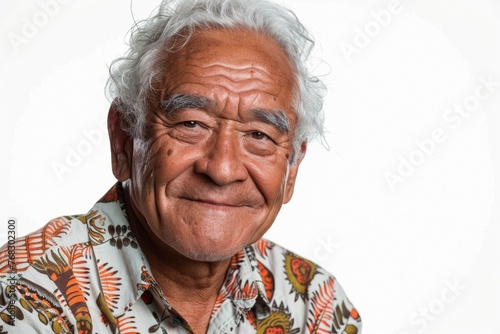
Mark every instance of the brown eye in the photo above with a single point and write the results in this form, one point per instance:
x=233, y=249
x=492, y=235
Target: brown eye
x=190, y=124
x=259, y=135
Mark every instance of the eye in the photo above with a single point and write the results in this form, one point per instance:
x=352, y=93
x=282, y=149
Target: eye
x=259, y=135
x=260, y=143
x=190, y=124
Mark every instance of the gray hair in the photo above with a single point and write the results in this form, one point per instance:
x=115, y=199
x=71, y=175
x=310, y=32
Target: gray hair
x=132, y=77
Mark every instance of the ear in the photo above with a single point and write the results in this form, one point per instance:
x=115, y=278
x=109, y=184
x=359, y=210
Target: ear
x=292, y=173
x=121, y=145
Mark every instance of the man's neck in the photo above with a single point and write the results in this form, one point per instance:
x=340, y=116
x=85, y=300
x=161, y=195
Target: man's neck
x=190, y=286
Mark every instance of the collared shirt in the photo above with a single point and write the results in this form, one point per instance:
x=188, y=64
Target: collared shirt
x=87, y=274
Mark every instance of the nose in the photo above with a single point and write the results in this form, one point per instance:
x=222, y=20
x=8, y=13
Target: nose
x=222, y=161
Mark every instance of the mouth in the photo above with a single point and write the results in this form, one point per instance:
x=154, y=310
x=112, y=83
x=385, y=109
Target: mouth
x=223, y=200
x=215, y=203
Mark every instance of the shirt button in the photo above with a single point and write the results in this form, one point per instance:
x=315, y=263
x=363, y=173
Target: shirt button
x=175, y=322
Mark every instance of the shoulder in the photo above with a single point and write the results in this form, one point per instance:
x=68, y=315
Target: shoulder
x=303, y=292
x=20, y=253
x=290, y=271
x=95, y=227
x=27, y=291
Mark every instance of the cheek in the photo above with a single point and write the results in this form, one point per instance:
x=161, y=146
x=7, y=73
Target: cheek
x=164, y=162
x=270, y=179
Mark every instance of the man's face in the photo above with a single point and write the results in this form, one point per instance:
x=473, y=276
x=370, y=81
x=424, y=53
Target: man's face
x=214, y=168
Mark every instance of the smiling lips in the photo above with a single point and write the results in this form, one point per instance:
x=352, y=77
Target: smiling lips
x=220, y=198
x=217, y=202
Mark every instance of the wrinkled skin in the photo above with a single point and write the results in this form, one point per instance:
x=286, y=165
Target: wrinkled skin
x=207, y=181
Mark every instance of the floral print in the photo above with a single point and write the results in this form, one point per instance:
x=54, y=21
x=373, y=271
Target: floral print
x=87, y=274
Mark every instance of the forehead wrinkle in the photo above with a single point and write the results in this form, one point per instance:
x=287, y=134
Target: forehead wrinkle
x=247, y=69
x=248, y=86
x=231, y=83
x=233, y=72
x=235, y=85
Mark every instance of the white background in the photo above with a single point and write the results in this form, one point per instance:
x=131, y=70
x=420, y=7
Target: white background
x=395, y=250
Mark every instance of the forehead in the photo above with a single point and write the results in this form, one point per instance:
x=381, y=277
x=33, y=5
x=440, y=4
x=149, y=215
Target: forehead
x=242, y=60
x=237, y=46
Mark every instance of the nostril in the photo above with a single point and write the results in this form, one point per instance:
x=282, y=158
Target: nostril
x=221, y=171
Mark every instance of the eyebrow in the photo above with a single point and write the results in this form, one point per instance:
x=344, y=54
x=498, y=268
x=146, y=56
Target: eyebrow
x=276, y=118
x=185, y=101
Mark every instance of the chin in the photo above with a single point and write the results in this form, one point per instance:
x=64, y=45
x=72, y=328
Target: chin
x=209, y=254
x=214, y=257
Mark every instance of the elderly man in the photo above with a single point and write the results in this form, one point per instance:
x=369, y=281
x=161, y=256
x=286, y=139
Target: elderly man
x=212, y=111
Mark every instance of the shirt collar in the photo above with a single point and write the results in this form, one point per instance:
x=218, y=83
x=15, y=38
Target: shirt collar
x=244, y=286
x=115, y=246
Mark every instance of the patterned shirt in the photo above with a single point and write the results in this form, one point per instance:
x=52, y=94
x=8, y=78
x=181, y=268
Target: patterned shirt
x=87, y=274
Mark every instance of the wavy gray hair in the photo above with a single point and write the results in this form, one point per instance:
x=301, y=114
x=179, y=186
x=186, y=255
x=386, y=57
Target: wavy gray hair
x=132, y=77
